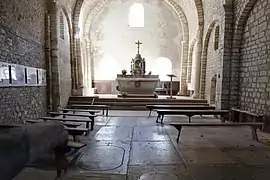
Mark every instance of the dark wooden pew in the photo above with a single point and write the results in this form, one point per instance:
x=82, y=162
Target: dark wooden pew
x=54, y=114
x=74, y=132
x=86, y=106
x=253, y=125
x=238, y=115
x=90, y=111
x=87, y=121
x=180, y=107
x=190, y=113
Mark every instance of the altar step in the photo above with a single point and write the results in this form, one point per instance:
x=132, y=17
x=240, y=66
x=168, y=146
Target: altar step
x=118, y=103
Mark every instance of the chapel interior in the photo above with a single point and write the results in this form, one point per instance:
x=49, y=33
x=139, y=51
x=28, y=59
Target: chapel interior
x=134, y=89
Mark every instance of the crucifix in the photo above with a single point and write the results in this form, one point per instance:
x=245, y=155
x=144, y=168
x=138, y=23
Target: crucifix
x=138, y=43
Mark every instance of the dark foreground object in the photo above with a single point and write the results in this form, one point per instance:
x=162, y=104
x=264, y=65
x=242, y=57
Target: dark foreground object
x=22, y=145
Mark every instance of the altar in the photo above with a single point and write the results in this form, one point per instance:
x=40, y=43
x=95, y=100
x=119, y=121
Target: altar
x=137, y=84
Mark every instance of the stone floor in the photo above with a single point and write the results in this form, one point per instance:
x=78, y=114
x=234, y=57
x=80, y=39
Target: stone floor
x=131, y=146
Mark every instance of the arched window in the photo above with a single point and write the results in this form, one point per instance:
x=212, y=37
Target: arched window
x=136, y=15
x=163, y=66
x=62, y=26
x=216, y=40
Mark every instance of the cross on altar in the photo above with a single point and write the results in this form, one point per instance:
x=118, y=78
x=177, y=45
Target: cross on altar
x=138, y=43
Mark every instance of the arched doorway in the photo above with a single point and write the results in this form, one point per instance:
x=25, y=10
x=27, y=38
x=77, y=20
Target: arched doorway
x=213, y=90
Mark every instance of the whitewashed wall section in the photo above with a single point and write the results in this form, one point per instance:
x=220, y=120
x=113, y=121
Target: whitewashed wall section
x=18, y=75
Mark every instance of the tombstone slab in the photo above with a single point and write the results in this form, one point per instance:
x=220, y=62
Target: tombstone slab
x=102, y=158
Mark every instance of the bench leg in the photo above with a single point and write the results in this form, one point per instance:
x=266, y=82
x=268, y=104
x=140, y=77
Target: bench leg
x=92, y=124
x=150, y=113
x=87, y=126
x=103, y=112
x=254, y=133
x=189, y=119
x=158, y=116
x=222, y=118
x=74, y=138
x=107, y=112
x=179, y=133
x=162, y=117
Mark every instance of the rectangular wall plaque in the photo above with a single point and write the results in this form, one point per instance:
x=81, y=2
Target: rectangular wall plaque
x=31, y=76
x=4, y=74
x=17, y=75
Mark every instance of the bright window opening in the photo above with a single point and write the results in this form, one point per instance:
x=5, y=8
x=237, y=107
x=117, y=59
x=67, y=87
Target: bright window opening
x=163, y=66
x=107, y=69
x=136, y=15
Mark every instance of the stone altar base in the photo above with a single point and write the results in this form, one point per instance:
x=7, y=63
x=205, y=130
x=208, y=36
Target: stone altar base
x=137, y=87
x=138, y=95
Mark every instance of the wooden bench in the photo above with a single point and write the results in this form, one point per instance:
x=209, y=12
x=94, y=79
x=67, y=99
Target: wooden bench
x=237, y=115
x=87, y=121
x=253, y=126
x=180, y=107
x=87, y=106
x=54, y=114
x=92, y=112
x=76, y=145
x=190, y=113
x=74, y=132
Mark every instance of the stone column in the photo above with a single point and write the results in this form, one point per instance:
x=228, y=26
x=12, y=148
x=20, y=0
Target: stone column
x=54, y=59
x=73, y=63
x=229, y=91
x=48, y=62
x=197, y=60
x=183, y=77
x=79, y=69
x=89, y=64
x=76, y=65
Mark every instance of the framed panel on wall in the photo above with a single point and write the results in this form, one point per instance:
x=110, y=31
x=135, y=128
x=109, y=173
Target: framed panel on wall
x=44, y=77
x=41, y=77
x=31, y=74
x=17, y=75
x=4, y=74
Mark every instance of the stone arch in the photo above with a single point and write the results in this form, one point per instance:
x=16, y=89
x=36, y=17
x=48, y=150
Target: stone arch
x=217, y=37
x=204, y=57
x=68, y=20
x=200, y=12
x=172, y=4
x=70, y=31
x=62, y=25
x=190, y=60
x=241, y=22
x=213, y=90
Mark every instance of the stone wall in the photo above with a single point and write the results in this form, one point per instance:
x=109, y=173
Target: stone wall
x=22, y=42
x=254, y=80
x=212, y=58
x=64, y=60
